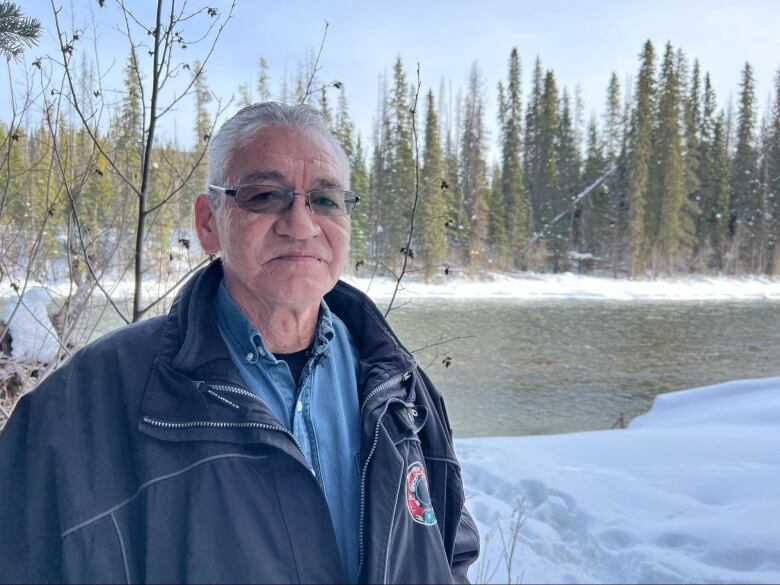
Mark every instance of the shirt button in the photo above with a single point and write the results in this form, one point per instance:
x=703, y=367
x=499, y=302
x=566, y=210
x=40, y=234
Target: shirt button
x=299, y=407
x=249, y=356
x=314, y=473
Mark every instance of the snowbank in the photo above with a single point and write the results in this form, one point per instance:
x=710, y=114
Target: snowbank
x=690, y=492
x=32, y=332
x=518, y=286
x=529, y=286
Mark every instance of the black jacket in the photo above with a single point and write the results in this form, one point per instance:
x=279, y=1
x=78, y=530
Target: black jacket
x=144, y=460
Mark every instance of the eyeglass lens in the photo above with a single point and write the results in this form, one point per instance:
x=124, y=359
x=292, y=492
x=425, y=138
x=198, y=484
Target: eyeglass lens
x=276, y=200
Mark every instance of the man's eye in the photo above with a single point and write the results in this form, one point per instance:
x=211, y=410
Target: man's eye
x=268, y=196
x=324, y=202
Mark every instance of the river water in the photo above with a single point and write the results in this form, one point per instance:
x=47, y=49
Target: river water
x=553, y=365
x=562, y=365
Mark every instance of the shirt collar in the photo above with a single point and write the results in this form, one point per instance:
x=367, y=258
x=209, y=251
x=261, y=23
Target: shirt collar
x=244, y=336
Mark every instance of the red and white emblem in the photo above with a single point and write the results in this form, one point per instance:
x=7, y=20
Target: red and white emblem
x=418, y=498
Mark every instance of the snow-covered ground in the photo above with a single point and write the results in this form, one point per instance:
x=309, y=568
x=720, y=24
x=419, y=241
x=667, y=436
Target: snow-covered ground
x=522, y=285
x=576, y=286
x=32, y=332
x=689, y=493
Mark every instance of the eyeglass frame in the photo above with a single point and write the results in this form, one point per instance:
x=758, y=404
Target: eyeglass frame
x=233, y=192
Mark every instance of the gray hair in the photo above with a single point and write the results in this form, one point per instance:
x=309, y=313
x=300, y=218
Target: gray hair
x=235, y=134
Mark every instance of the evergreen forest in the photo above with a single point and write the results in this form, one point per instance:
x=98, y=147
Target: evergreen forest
x=667, y=179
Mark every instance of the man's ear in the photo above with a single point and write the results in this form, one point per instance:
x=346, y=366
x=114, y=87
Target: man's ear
x=206, y=225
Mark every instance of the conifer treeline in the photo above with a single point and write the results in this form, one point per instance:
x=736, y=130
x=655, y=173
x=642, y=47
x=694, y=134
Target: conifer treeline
x=680, y=183
x=61, y=200
x=692, y=188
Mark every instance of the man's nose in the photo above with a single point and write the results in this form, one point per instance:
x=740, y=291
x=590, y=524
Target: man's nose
x=298, y=221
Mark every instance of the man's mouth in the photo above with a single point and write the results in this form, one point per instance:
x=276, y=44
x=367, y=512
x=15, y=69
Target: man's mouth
x=299, y=257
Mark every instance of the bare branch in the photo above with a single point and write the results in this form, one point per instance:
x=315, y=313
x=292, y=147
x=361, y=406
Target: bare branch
x=175, y=286
x=408, y=247
x=201, y=155
x=314, y=70
x=442, y=341
x=76, y=106
x=188, y=87
x=87, y=261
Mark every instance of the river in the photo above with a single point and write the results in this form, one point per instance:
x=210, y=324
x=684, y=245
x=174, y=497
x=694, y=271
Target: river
x=563, y=365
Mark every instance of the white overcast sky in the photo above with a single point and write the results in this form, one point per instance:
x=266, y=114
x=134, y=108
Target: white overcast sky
x=582, y=41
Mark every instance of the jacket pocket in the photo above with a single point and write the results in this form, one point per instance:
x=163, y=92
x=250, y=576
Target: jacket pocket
x=96, y=554
x=219, y=519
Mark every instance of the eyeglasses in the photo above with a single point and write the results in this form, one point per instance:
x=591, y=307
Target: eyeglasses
x=275, y=200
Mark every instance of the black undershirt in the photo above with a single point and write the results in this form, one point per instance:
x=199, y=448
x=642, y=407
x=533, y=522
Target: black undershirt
x=295, y=361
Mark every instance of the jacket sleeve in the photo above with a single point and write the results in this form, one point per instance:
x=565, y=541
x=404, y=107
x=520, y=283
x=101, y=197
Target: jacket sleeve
x=30, y=543
x=466, y=547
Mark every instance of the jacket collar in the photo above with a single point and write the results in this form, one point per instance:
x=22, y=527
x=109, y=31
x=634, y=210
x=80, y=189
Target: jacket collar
x=192, y=348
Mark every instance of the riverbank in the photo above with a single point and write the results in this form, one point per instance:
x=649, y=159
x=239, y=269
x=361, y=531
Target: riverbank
x=687, y=494
x=537, y=286
x=517, y=285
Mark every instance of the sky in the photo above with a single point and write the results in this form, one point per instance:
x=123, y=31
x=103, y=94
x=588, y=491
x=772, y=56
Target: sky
x=583, y=42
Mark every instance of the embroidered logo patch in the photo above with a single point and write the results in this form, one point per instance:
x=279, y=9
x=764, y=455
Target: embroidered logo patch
x=418, y=498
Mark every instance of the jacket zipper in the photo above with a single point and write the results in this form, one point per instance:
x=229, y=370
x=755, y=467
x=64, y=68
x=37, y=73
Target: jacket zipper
x=383, y=386
x=226, y=425
x=403, y=376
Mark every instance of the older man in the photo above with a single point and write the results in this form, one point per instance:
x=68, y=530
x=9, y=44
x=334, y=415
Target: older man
x=270, y=428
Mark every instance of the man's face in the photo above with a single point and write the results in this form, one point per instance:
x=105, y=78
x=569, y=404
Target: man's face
x=291, y=259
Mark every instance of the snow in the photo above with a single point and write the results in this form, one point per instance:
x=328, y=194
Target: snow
x=530, y=286
x=32, y=332
x=516, y=286
x=689, y=492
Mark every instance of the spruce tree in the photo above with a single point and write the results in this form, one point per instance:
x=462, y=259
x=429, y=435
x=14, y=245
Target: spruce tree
x=17, y=31
x=15, y=207
x=773, y=183
x=665, y=222
x=692, y=203
x=712, y=235
x=203, y=125
x=359, y=183
x=379, y=175
x=598, y=213
x=514, y=200
x=532, y=156
x=375, y=193
x=127, y=141
x=497, y=220
x=473, y=170
x=325, y=108
x=610, y=204
x=613, y=120
x=452, y=192
x=399, y=191
x=343, y=127
x=431, y=234
x=546, y=179
x=244, y=95
x=718, y=184
x=639, y=145
x=568, y=162
x=263, y=82
x=747, y=213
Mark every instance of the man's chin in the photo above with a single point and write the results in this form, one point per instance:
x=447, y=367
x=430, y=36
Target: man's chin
x=300, y=291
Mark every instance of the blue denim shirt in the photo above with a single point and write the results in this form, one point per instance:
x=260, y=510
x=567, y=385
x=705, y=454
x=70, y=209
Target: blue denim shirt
x=322, y=411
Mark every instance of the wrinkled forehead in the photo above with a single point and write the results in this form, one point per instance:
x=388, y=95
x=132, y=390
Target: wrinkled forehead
x=285, y=155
